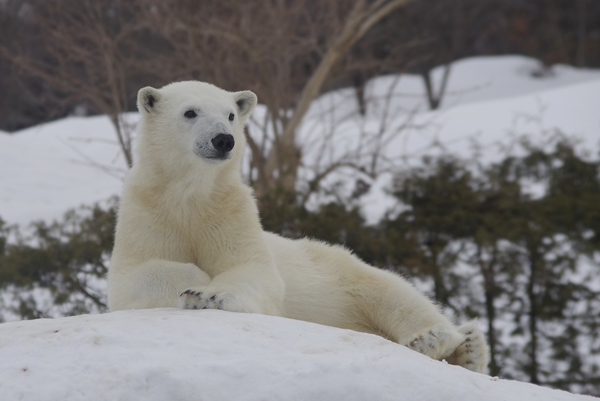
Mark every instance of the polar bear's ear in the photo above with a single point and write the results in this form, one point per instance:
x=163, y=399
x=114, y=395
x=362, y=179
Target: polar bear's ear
x=147, y=99
x=245, y=100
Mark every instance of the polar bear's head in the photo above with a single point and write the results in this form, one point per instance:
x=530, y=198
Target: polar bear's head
x=193, y=122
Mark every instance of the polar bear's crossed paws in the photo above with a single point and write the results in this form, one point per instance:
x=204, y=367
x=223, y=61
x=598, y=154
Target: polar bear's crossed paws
x=190, y=299
x=210, y=298
x=435, y=342
x=464, y=346
x=472, y=353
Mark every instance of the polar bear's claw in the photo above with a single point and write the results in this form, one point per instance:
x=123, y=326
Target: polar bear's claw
x=190, y=292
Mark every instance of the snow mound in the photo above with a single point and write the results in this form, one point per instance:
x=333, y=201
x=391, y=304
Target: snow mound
x=173, y=354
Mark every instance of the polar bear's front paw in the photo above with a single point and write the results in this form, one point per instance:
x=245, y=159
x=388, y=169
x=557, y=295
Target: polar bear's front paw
x=227, y=299
x=190, y=299
x=436, y=342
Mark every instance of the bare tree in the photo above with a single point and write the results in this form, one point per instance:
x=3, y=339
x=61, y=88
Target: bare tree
x=360, y=19
x=88, y=55
x=285, y=51
x=351, y=144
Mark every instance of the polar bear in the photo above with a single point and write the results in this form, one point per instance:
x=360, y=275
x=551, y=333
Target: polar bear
x=188, y=235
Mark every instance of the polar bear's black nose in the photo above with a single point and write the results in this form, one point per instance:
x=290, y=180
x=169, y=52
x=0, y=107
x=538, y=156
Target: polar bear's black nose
x=223, y=142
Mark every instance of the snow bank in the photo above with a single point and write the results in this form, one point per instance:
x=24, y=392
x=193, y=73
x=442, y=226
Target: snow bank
x=172, y=354
x=48, y=169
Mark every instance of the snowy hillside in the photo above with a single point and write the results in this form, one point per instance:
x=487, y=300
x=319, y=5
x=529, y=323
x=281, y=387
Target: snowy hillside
x=491, y=103
x=48, y=169
x=172, y=354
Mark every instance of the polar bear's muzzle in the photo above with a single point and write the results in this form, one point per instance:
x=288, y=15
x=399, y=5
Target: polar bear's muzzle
x=213, y=139
x=217, y=148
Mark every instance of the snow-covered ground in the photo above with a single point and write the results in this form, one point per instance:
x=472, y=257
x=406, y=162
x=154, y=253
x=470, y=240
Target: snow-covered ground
x=172, y=354
x=48, y=169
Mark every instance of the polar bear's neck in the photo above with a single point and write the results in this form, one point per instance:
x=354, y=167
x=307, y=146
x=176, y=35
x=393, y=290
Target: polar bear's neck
x=191, y=215
x=170, y=189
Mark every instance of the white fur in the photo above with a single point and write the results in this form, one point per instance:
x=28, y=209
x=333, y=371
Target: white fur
x=189, y=235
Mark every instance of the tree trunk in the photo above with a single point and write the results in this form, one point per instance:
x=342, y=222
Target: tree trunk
x=533, y=317
x=581, y=16
x=362, y=17
x=123, y=142
x=488, y=274
x=435, y=98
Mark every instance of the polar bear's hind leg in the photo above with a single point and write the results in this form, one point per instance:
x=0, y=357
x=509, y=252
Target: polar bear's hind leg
x=393, y=307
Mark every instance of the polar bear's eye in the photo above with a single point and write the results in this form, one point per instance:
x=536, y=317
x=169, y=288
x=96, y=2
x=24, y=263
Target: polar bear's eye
x=190, y=114
x=231, y=116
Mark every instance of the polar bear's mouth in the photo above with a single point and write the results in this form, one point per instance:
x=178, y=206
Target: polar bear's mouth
x=218, y=157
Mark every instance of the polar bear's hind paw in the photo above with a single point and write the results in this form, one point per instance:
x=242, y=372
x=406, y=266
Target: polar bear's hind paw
x=434, y=342
x=472, y=353
x=423, y=343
